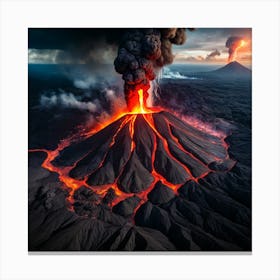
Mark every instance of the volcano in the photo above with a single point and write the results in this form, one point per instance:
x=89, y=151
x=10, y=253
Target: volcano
x=134, y=154
x=146, y=180
x=233, y=69
x=143, y=181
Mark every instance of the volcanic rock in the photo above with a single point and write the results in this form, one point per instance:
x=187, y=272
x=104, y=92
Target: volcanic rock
x=160, y=194
x=130, y=151
x=76, y=151
x=209, y=211
x=135, y=177
x=109, y=197
x=126, y=207
x=168, y=167
x=129, y=171
x=182, y=238
x=152, y=216
x=84, y=208
x=85, y=193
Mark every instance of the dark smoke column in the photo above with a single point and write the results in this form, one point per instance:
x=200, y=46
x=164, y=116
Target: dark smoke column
x=233, y=44
x=141, y=54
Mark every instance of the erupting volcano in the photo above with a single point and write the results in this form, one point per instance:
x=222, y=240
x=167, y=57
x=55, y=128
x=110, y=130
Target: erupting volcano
x=154, y=165
x=234, y=44
x=134, y=153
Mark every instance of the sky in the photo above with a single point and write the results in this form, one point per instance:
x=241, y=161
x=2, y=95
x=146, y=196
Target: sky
x=91, y=46
x=206, y=41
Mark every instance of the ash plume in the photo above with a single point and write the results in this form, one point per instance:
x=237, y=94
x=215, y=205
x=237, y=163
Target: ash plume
x=141, y=54
x=232, y=43
x=92, y=48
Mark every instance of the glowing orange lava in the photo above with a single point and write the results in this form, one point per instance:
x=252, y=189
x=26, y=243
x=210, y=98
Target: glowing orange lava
x=129, y=118
x=241, y=44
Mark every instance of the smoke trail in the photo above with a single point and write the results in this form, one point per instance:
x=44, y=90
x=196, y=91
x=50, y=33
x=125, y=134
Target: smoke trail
x=68, y=100
x=141, y=54
x=96, y=111
x=233, y=44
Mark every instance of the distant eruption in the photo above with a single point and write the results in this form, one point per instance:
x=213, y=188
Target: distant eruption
x=233, y=44
x=141, y=54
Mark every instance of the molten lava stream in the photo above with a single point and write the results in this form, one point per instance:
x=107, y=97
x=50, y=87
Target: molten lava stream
x=197, y=137
x=131, y=132
x=166, y=147
x=176, y=140
x=223, y=142
x=74, y=184
x=120, y=194
x=125, y=121
x=157, y=177
x=102, y=190
x=62, y=172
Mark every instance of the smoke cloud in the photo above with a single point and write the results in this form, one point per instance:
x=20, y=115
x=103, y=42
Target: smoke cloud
x=141, y=54
x=77, y=45
x=68, y=100
x=232, y=44
x=169, y=74
x=213, y=55
x=99, y=110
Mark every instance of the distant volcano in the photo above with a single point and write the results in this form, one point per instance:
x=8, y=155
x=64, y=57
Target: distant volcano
x=233, y=69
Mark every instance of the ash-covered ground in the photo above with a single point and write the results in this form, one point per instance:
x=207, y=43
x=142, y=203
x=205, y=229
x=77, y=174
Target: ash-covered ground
x=210, y=214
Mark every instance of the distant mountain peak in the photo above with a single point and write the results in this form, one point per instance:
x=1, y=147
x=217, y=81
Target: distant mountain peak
x=234, y=69
x=234, y=63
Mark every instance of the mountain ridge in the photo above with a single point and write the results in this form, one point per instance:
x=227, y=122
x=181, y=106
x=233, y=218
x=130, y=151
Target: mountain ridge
x=232, y=70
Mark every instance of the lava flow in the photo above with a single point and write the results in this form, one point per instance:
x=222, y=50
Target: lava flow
x=129, y=155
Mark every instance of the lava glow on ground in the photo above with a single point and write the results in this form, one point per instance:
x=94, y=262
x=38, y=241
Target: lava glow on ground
x=165, y=138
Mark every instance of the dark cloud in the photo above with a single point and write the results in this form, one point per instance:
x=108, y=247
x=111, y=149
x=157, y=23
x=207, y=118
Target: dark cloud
x=208, y=38
x=213, y=55
x=97, y=106
x=67, y=38
x=142, y=52
x=232, y=44
x=77, y=45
